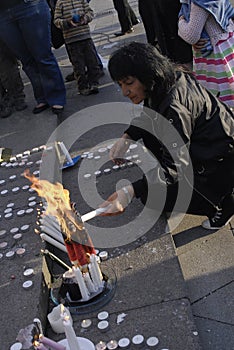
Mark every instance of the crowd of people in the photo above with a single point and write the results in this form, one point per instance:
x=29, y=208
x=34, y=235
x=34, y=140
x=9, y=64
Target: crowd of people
x=184, y=74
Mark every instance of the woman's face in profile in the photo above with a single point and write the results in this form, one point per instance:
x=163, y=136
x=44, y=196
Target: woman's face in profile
x=133, y=89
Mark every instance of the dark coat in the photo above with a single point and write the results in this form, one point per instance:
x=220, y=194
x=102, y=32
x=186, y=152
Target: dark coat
x=192, y=137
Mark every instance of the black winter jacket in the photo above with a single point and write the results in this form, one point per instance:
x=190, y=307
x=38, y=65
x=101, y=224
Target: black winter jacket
x=191, y=128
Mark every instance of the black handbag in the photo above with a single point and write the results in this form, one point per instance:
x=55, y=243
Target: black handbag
x=57, y=39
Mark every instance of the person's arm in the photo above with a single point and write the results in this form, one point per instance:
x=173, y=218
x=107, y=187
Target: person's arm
x=88, y=13
x=59, y=21
x=191, y=31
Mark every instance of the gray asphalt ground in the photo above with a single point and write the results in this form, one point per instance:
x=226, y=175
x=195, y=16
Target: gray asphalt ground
x=174, y=280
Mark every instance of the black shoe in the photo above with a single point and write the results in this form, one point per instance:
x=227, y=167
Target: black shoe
x=57, y=110
x=222, y=216
x=131, y=30
x=94, y=89
x=70, y=77
x=38, y=110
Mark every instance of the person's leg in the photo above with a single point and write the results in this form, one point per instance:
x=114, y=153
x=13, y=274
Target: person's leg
x=122, y=8
x=92, y=65
x=26, y=30
x=76, y=55
x=149, y=19
x=11, y=78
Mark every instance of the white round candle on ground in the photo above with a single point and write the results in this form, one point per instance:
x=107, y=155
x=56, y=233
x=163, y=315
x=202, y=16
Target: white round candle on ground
x=8, y=216
x=15, y=190
x=24, y=228
x=100, y=346
x=28, y=284
x=29, y=211
x=20, y=252
x=87, y=176
x=2, y=233
x=10, y=205
x=98, y=173
x=10, y=254
x=124, y=343
x=102, y=150
x=133, y=146
x=8, y=210
x=86, y=323
x=112, y=345
x=152, y=341
x=17, y=236
x=12, y=177
x=1, y=256
x=3, y=245
x=14, y=230
x=103, y=315
x=138, y=340
x=103, y=326
x=28, y=272
x=32, y=198
x=115, y=167
x=4, y=193
x=20, y=213
x=107, y=171
x=103, y=255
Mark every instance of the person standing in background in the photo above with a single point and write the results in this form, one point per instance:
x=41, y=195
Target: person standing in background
x=208, y=25
x=160, y=20
x=12, y=95
x=126, y=16
x=73, y=18
x=25, y=29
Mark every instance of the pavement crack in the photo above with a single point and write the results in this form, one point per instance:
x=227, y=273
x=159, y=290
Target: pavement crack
x=213, y=320
x=211, y=292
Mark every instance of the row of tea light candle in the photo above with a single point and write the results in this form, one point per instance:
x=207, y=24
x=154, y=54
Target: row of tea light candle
x=124, y=343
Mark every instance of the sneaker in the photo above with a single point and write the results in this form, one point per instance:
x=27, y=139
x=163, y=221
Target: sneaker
x=85, y=92
x=70, y=77
x=94, y=89
x=223, y=215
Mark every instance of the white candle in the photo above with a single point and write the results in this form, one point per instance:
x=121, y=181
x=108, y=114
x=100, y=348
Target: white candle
x=70, y=334
x=124, y=343
x=52, y=241
x=103, y=315
x=101, y=346
x=51, y=343
x=103, y=326
x=86, y=323
x=112, y=345
x=138, y=340
x=98, y=274
x=103, y=255
x=65, y=152
x=53, y=233
x=90, y=285
x=152, y=341
x=83, y=289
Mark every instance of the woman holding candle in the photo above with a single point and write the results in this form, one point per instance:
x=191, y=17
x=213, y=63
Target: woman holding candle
x=188, y=130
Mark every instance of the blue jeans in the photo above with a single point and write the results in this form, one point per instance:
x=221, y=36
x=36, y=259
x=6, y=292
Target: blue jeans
x=25, y=28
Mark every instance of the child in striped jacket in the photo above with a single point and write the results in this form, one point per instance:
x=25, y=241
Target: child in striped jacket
x=73, y=18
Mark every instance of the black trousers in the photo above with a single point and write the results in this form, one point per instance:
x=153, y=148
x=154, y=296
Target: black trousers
x=11, y=85
x=83, y=57
x=160, y=19
x=126, y=15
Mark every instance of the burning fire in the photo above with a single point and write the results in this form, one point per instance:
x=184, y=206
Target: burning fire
x=78, y=243
x=58, y=203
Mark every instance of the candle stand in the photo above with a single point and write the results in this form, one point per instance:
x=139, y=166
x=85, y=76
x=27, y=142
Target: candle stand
x=96, y=300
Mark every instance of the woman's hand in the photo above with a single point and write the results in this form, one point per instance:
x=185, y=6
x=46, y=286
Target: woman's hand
x=200, y=44
x=119, y=149
x=118, y=201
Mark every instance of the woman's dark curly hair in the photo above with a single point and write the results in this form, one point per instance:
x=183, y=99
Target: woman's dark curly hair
x=144, y=62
